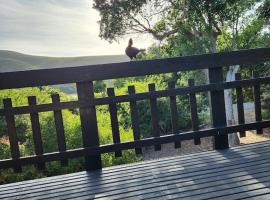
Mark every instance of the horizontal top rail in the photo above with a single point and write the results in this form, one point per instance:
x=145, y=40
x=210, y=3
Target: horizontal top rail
x=66, y=75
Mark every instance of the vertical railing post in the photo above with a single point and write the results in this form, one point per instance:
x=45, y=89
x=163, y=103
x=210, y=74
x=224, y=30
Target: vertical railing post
x=134, y=118
x=12, y=134
x=37, y=138
x=257, y=101
x=114, y=121
x=174, y=114
x=154, y=115
x=85, y=91
x=59, y=126
x=217, y=107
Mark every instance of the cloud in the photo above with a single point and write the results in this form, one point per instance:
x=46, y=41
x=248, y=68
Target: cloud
x=55, y=28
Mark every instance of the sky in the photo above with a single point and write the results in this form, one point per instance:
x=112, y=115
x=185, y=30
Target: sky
x=57, y=28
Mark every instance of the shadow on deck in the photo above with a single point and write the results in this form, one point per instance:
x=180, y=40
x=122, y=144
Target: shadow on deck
x=237, y=173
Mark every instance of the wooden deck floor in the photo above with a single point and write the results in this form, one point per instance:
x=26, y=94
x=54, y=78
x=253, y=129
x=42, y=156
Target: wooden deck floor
x=238, y=173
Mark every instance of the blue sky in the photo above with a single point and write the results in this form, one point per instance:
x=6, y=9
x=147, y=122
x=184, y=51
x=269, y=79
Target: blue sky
x=56, y=28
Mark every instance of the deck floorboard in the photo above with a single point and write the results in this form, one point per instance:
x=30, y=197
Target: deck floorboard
x=237, y=173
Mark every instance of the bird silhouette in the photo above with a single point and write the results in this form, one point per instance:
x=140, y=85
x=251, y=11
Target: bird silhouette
x=132, y=51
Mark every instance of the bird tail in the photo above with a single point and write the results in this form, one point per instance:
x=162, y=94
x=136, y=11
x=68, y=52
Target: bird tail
x=142, y=50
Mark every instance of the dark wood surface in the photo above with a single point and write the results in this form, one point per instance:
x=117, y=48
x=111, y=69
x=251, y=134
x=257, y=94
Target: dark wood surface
x=74, y=153
x=137, y=96
x=37, y=138
x=59, y=126
x=257, y=101
x=84, y=76
x=217, y=108
x=114, y=121
x=194, y=112
x=134, y=118
x=154, y=115
x=12, y=134
x=236, y=173
x=129, y=69
x=174, y=113
x=240, y=104
x=89, y=123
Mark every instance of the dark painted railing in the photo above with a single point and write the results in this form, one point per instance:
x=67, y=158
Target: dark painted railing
x=84, y=76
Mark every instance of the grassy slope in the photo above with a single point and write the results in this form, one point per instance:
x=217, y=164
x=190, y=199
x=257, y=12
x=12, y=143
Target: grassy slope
x=13, y=61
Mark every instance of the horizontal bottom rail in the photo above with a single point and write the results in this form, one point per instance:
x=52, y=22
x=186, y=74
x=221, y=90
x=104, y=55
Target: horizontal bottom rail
x=75, y=153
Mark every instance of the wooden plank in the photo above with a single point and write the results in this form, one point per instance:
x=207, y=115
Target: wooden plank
x=40, y=108
x=60, y=132
x=257, y=102
x=38, y=144
x=248, y=148
x=154, y=116
x=131, y=190
x=85, y=91
x=232, y=190
x=194, y=112
x=166, y=180
x=128, y=170
x=240, y=105
x=64, y=184
x=134, y=118
x=174, y=115
x=176, y=189
x=217, y=107
x=182, y=91
x=12, y=135
x=10, y=80
x=114, y=121
x=137, y=97
x=64, y=179
x=188, y=168
x=130, y=145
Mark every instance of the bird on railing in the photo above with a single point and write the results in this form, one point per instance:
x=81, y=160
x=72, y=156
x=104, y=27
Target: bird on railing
x=132, y=51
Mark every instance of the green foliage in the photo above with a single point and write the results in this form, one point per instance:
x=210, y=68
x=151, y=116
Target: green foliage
x=72, y=126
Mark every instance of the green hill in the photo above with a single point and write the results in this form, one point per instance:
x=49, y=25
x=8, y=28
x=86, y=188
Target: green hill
x=13, y=61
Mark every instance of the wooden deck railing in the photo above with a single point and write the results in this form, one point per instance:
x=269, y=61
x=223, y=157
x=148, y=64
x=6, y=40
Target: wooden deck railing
x=84, y=76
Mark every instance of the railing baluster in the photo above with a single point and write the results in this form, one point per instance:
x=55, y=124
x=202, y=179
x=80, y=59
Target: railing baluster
x=134, y=118
x=257, y=102
x=32, y=101
x=194, y=112
x=174, y=115
x=114, y=121
x=12, y=135
x=154, y=116
x=88, y=117
x=60, y=132
x=240, y=106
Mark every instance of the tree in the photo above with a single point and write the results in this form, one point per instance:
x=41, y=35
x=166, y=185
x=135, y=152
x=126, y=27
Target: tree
x=189, y=26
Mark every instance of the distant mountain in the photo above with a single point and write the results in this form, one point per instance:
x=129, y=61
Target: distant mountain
x=13, y=61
